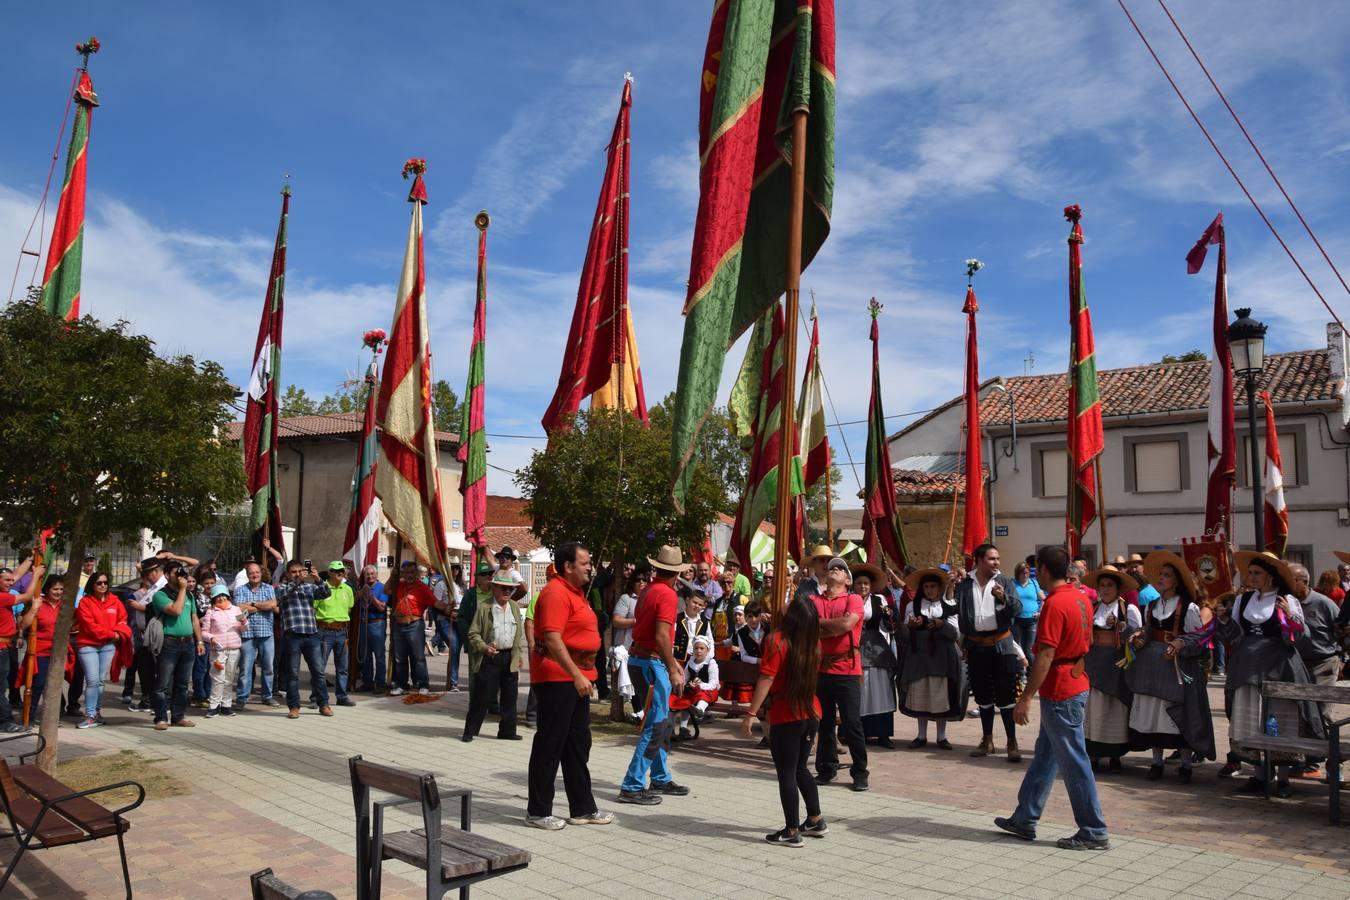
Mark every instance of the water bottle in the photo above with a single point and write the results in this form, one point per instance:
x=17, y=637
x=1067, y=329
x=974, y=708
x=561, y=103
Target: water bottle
x=1272, y=727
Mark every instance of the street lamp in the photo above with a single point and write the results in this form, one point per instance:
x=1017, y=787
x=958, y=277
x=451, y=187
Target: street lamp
x=1247, y=344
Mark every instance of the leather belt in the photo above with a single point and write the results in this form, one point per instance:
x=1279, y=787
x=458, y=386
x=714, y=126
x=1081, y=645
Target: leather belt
x=333, y=626
x=1105, y=637
x=987, y=640
x=583, y=659
x=1159, y=634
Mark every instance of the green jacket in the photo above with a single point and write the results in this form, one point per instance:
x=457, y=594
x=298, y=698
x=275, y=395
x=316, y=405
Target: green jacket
x=480, y=634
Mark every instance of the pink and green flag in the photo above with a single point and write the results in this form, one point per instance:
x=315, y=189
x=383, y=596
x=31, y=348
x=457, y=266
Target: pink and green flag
x=472, y=438
x=65, y=256
x=765, y=60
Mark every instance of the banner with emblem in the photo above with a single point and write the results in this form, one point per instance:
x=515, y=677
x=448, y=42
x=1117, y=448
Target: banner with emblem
x=1210, y=560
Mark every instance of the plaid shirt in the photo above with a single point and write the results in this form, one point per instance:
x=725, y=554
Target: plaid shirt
x=297, y=606
x=259, y=624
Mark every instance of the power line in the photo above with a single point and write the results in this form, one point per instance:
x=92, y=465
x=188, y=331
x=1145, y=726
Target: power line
x=1231, y=171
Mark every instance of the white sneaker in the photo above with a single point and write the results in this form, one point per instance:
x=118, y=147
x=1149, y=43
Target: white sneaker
x=423, y=691
x=595, y=818
x=548, y=823
x=396, y=692
x=89, y=722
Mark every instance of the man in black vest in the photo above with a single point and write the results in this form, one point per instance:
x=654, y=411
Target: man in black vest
x=986, y=602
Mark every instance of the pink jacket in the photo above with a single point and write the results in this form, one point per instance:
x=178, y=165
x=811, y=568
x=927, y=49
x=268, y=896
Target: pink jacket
x=222, y=627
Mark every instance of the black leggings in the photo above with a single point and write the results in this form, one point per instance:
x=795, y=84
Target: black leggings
x=790, y=747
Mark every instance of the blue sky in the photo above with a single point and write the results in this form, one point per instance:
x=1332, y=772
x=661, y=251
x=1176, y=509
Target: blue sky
x=963, y=130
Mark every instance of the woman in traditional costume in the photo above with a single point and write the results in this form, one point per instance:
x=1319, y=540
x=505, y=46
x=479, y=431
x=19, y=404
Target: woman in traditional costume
x=878, y=660
x=1169, y=709
x=932, y=682
x=1114, y=621
x=1260, y=629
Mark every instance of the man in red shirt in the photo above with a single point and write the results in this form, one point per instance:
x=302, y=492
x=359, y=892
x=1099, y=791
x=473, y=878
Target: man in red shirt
x=655, y=672
x=8, y=634
x=839, y=685
x=562, y=667
x=411, y=599
x=1062, y=642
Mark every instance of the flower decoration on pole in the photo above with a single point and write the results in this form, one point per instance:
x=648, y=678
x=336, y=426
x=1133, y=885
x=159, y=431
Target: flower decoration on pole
x=1073, y=213
x=90, y=46
x=414, y=166
x=874, y=308
x=972, y=266
x=375, y=339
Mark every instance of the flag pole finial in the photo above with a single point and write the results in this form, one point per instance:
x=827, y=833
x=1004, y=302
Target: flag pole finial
x=874, y=308
x=813, y=315
x=482, y=220
x=972, y=266
x=628, y=77
x=87, y=49
x=286, y=184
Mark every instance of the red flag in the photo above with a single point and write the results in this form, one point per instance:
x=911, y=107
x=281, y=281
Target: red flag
x=473, y=421
x=600, y=347
x=362, y=543
x=1276, y=515
x=1222, y=438
x=975, y=530
x=262, y=414
x=1086, y=439
x=407, y=473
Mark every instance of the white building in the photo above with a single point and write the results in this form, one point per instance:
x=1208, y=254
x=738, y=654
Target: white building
x=1154, y=468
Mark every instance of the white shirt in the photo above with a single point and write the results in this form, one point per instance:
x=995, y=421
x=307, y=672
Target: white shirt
x=1163, y=609
x=503, y=626
x=240, y=577
x=1106, y=610
x=985, y=619
x=931, y=609
x=1262, y=606
x=624, y=608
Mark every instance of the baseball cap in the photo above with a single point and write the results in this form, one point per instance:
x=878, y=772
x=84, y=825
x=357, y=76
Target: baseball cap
x=337, y=565
x=837, y=563
x=484, y=569
x=219, y=590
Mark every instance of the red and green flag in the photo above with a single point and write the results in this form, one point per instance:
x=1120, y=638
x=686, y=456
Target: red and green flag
x=815, y=443
x=765, y=60
x=262, y=414
x=362, y=542
x=881, y=514
x=407, y=471
x=472, y=452
x=760, y=496
x=600, y=357
x=65, y=256
x=1086, y=440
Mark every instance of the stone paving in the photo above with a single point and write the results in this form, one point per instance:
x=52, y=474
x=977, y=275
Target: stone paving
x=274, y=792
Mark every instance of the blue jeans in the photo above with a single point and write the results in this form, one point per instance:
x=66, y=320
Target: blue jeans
x=372, y=667
x=97, y=662
x=1024, y=632
x=442, y=637
x=650, y=753
x=252, y=651
x=1060, y=749
x=335, y=642
x=453, y=639
x=201, y=677
x=308, y=646
x=410, y=649
x=173, y=674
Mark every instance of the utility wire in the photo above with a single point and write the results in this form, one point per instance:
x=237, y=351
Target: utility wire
x=1205, y=131
x=1252, y=142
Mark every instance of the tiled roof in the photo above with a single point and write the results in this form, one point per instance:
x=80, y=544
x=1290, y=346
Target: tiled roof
x=1300, y=376
x=507, y=511
x=300, y=427
x=519, y=539
x=930, y=484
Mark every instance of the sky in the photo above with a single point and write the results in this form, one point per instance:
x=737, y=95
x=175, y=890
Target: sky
x=963, y=130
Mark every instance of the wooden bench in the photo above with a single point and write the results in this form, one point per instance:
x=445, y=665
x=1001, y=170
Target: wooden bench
x=451, y=857
x=266, y=886
x=42, y=813
x=1330, y=746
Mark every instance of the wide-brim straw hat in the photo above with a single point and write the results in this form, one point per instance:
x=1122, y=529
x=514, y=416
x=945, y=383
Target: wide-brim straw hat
x=1154, y=562
x=1244, y=558
x=873, y=572
x=503, y=579
x=1127, y=582
x=668, y=559
x=916, y=578
x=820, y=550
x=1342, y=555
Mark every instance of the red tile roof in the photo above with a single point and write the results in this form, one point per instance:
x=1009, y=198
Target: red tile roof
x=914, y=485
x=1300, y=376
x=507, y=511
x=730, y=521
x=519, y=539
x=300, y=427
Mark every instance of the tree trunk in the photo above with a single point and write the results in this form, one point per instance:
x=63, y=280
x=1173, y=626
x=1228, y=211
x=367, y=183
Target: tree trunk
x=52, y=691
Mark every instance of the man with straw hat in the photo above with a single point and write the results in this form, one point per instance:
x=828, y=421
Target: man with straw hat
x=496, y=644
x=813, y=574
x=653, y=669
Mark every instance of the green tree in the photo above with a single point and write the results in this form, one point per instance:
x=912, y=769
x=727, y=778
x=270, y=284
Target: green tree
x=295, y=402
x=445, y=406
x=349, y=398
x=719, y=450
x=1188, y=356
x=101, y=437
x=606, y=482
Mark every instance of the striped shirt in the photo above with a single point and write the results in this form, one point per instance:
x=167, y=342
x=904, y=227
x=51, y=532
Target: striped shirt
x=260, y=623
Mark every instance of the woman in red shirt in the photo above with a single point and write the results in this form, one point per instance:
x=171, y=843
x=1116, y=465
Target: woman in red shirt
x=46, y=610
x=101, y=628
x=787, y=677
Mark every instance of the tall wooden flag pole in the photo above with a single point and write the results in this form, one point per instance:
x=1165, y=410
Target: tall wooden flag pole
x=787, y=428
x=65, y=256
